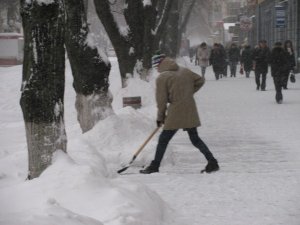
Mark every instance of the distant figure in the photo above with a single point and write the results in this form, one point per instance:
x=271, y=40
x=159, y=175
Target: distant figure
x=246, y=60
x=279, y=64
x=288, y=47
x=217, y=60
x=196, y=56
x=175, y=88
x=185, y=46
x=234, y=58
x=261, y=57
x=225, y=61
x=203, y=57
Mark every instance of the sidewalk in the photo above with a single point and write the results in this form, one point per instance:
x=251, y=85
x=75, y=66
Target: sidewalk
x=256, y=142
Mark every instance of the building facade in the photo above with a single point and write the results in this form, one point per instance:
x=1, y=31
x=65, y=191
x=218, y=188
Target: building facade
x=277, y=20
x=270, y=20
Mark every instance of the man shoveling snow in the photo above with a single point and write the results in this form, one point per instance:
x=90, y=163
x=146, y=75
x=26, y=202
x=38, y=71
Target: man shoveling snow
x=175, y=88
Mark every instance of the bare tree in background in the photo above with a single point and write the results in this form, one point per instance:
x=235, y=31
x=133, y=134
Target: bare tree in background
x=199, y=22
x=145, y=24
x=180, y=15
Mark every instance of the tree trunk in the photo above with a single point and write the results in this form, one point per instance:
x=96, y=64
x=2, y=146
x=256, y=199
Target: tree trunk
x=146, y=26
x=42, y=95
x=185, y=20
x=170, y=39
x=126, y=62
x=148, y=37
x=89, y=68
x=125, y=51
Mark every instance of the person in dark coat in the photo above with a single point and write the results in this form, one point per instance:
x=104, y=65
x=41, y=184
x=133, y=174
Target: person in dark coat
x=279, y=64
x=246, y=60
x=175, y=88
x=288, y=47
x=234, y=58
x=225, y=62
x=217, y=60
x=260, y=64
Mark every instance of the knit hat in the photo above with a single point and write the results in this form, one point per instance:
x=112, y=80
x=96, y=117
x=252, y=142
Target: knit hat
x=157, y=59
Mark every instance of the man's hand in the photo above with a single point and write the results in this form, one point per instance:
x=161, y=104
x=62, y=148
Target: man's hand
x=159, y=123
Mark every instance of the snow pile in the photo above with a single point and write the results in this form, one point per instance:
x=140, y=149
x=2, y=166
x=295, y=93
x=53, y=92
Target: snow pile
x=137, y=87
x=71, y=192
x=79, y=187
x=130, y=127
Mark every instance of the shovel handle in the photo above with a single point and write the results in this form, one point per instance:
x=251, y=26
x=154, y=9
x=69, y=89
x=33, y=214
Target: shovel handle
x=144, y=144
x=139, y=150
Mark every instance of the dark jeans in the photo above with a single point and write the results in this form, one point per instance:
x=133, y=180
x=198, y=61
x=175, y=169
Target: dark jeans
x=225, y=69
x=167, y=135
x=261, y=84
x=217, y=75
x=285, y=78
x=232, y=66
x=278, y=83
x=203, y=69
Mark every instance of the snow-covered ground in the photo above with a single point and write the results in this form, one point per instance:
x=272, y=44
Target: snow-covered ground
x=255, y=140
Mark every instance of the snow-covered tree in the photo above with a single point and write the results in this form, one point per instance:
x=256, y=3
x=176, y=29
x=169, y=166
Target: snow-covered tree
x=48, y=27
x=42, y=98
x=90, y=68
x=137, y=40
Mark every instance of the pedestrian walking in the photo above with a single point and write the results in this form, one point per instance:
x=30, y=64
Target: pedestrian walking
x=225, y=61
x=279, y=65
x=175, y=87
x=288, y=47
x=203, y=57
x=246, y=60
x=233, y=58
x=260, y=64
x=217, y=59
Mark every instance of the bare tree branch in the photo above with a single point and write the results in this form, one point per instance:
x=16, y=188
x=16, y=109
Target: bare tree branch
x=108, y=21
x=187, y=17
x=161, y=24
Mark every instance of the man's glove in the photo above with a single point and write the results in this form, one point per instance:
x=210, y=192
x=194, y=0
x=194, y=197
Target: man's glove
x=159, y=123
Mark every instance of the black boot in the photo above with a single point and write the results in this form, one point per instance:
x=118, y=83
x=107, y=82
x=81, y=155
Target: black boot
x=279, y=97
x=212, y=166
x=152, y=168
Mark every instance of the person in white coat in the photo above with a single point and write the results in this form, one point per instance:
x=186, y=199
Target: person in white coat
x=203, y=56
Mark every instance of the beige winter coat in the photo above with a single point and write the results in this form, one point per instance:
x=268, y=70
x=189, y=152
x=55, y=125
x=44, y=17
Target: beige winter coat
x=203, y=56
x=175, y=88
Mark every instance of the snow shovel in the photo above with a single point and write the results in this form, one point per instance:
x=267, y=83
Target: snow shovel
x=138, y=151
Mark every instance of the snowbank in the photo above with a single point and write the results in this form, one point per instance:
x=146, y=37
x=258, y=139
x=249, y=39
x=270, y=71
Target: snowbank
x=71, y=192
x=79, y=187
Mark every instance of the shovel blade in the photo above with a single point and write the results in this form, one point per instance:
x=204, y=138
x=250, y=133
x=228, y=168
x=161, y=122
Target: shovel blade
x=123, y=169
